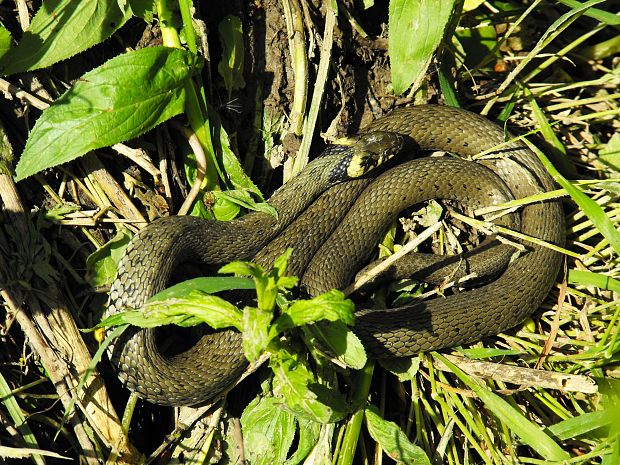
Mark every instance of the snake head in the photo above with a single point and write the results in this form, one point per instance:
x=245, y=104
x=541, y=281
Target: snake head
x=359, y=155
x=372, y=150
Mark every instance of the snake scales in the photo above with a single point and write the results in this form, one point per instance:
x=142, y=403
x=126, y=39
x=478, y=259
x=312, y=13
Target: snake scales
x=362, y=208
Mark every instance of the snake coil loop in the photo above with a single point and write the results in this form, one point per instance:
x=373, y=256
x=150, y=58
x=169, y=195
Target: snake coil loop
x=333, y=229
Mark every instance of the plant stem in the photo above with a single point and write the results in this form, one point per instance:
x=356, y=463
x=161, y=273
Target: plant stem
x=354, y=425
x=195, y=115
x=185, y=6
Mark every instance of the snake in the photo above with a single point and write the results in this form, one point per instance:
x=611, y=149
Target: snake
x=333, y=214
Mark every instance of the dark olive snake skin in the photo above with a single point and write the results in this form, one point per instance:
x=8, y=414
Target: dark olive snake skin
x=334, y=229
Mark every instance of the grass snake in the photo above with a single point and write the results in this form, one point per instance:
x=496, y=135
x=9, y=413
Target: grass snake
x=333, y=218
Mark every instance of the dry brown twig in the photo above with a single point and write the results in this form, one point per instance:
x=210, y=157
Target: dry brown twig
x=55, y=338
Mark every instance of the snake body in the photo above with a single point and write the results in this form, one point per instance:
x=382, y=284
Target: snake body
x=334, y=228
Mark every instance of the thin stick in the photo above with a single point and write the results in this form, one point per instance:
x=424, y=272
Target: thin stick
x=201, y=167
x=521, y=375
x=381, y=267
x=319, y=90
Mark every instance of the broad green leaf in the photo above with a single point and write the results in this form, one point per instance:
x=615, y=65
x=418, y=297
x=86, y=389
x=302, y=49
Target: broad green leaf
x=478, y=42
x=406, y=369
x=267, y=284
x=280, y=264
x=268, y=431
x=192, y=310
x=119, y=100
x=207, y=284
x=416, y=29
x=243, y=198
x=6, y=41
x=309, y=432
x=393, y=440
x=60, y=211
x=101, y=265
x=231, y=65
x=610, y=153
x=339, y=341
x=61, y=29
x=234, y=171
x=528, y=432
x=255, y=331
x=222, y=209
x=266, y=293
x=297, y=385
x=242, y=268
x=141, y=8
x=331, y=306
x=138, y=318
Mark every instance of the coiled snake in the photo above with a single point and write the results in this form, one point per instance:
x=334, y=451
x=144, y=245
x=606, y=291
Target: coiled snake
x=315, y=203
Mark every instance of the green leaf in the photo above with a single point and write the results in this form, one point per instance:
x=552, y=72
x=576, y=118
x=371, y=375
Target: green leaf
x=297, y=385
x=255, y=332
x=6, y=41
x=580, y=425
x=231, y=65
x=416, y=29
x=61, y=29
x=243, y=198
x=339, y=341
x=142, y=9
x=268, y=431
x=243, y=269
x=233, y=169
x=406, y=369
x=527, y=431
x=223, y=209
x=60, y=211
x=192, y=310
x=101, y=265
x=610, y=153
x=309, y=432
x=393, y=440
x=280, y=264
x=208, y=285
x=478, y=42
x=331, y=306
x=268, y=284
x=588, y=278
x=119, y=100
